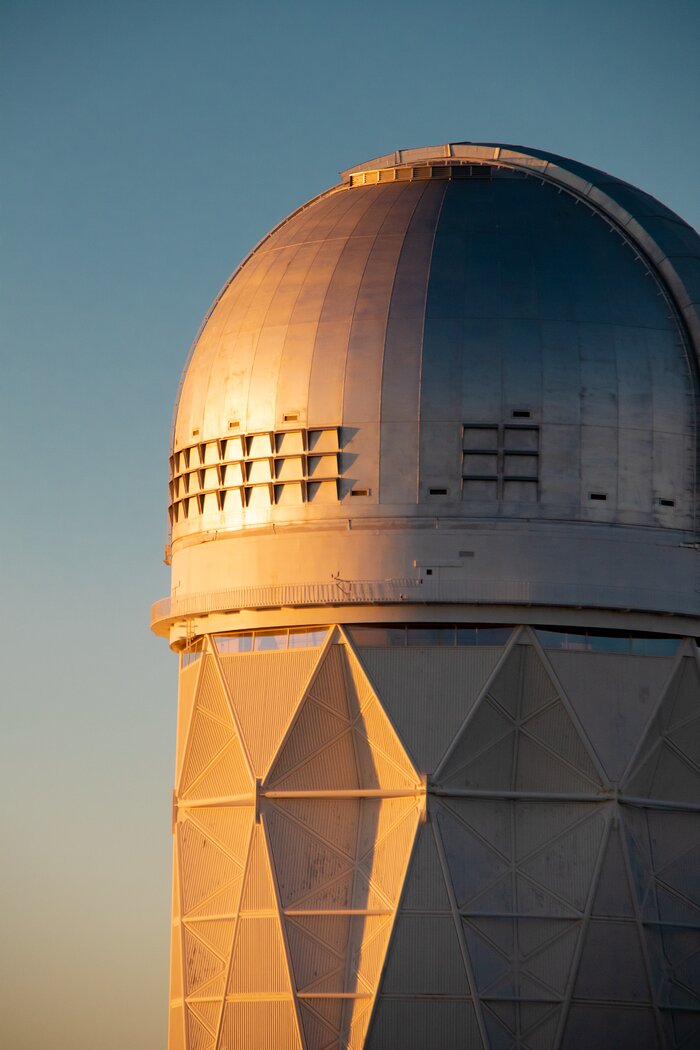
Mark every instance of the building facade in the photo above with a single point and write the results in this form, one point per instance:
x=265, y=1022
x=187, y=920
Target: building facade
x=435, y=590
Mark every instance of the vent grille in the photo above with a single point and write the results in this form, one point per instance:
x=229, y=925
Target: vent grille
x=255, y=470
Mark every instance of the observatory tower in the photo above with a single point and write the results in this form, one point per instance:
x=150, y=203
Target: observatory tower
x=435, y=590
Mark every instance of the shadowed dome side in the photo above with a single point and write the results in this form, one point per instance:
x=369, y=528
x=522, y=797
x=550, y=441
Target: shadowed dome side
x=463, y=340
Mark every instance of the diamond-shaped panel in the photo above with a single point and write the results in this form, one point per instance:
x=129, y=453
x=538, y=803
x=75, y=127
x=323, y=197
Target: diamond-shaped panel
x=521, y=736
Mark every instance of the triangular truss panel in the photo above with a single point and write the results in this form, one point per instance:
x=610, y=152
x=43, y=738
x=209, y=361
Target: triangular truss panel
x=340, y=736
x=426, y=995
x=187, y=689
x=199, y=1036
x=329, y=897
x=215, y=765
x=259, y=998
x=212, y=850
x=668, y=764
x=631, y=687
x=521, y=736
x=664, y=852
x=428, y=692
x=341, y=804
x=339, y=903
x=520, y=878
x=207, y=867
x=264, y=690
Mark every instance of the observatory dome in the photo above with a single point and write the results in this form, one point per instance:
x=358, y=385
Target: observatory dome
x=453, y=339
x=435, y=587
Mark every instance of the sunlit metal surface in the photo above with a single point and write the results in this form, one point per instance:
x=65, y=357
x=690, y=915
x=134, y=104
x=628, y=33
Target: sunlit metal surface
x=435, y=580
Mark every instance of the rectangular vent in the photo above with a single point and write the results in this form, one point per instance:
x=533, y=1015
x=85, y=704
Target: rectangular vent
x=600, y=496
x=667, y=502
x=438, y=492
x=290, y=417
x=519, y=413
x=359, y=492
x=501, y=462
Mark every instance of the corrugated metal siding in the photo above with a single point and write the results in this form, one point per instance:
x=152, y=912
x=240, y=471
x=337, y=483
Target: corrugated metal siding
x=521, y=737
x=259, y=966
x=207, y=1013
x=318, y=1032
x=314, y=728
x=425, y=884
x=229, y=826
x=207, y=739
x=428, y=692
x=187, y=685
x=258, y=892
x=533, y=883
x=201, y=964
x=359, y=689
x=318, y=754
x=593, y=1025
x=312, y=959
x=385, y=863
x=199, y=1037
x=414, y=1024
x=303, y=862
x=264, y=689
x=210, y=695
x=228, y=775
x=566, y=866
x=426, y=958
x=631, y=686
x=260, y=1026
x=328, y=685
x=336, y=854
x=382, y=761
x=216, y=934
x=668, y=763
x=205, y=868
x=331, y=820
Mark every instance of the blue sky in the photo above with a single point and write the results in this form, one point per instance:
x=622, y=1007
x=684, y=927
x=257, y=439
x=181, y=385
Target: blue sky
x=147, y=146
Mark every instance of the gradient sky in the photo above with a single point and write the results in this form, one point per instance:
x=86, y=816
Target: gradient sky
x=147, y=147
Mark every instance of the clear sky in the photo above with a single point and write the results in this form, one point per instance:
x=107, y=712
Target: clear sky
x=146, y=147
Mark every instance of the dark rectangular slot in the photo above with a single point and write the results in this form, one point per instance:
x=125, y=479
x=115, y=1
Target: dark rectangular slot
x=598, y=495
x=360, y=492
x=438, y=492
x=520, y=414
x=667, y=502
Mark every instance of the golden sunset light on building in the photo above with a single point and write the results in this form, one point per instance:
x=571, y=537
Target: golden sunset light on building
x=433, y=511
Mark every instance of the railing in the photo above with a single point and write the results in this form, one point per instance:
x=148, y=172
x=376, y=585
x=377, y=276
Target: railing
x=411, y=590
